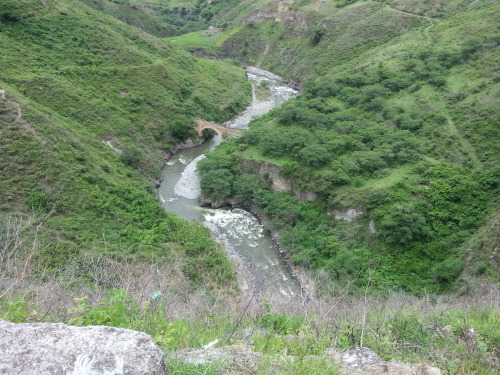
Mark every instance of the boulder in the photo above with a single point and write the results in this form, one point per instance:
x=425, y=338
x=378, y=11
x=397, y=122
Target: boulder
x=363, y=361
x=60, y=349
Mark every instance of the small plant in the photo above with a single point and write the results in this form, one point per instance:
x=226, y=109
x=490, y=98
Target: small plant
x=15, y=311
x=117, y=310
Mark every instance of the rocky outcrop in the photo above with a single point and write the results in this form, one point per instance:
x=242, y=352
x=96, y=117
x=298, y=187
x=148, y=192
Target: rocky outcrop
x=270, y=174
x=234, y=359
x=60, y=349
x=213, y=203
x=157, y=183
x=348, y=215
x=239, y=359
x=278, y=12
x=363, y=361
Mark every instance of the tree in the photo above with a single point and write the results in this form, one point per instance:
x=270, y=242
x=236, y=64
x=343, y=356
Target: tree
x=314, y=155
x=17, y=10
x=448, y=270
x=180, y=129
x=403, y=225
x=217, y=183
x=245, y=185
x=131, y=156
x=316, y=34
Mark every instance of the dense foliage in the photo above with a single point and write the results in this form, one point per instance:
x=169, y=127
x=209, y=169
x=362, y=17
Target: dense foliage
x=164, y=18
x=75, y=79
x=403, y=134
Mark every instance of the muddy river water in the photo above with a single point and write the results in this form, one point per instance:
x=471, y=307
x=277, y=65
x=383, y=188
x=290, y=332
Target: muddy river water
x=238, y=230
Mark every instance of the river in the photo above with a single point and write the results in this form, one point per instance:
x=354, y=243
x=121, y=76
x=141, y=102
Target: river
x=240, y=231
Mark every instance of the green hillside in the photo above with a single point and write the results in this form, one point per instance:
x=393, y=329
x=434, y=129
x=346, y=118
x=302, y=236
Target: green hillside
x=391, y=150
x=397, y=120
x=165, y=18
x=75, y=78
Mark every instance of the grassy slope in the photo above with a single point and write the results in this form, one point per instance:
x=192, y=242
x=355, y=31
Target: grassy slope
x=165, y=18
x=444, y=178
x=54, y=156
x=134, y=16
x=78, y=75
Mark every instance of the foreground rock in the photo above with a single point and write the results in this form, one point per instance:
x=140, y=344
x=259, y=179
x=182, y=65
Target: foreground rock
x=241, y=359
x=363, y=361
x=54, y=348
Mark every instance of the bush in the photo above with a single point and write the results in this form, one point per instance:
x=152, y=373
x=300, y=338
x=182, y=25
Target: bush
x=217, y=183
x=181, y=130
x=131, y=156
x=403, y=225
x=448, y=271
x=314, y=155
x=316, y=34
x=245, y=185
x=37, y=200
x=17, y=10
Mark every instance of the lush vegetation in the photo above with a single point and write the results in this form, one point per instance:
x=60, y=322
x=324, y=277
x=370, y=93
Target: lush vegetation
x=165, y=18
x=391, y=152
x=460, y=338
x=75, y=78
x=403, y=133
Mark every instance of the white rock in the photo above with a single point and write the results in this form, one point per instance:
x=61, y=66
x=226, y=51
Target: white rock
x=363, y=361
x=59, y=349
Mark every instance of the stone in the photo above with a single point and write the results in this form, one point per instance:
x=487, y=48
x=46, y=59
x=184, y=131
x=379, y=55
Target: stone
x=60, y=349
x=363, y=361
x=157, y=183
x=446, y=330
x=233, y=359
x=348, y=215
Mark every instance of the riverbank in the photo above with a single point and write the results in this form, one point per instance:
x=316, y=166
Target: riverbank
x=261, y=267
x=300, y=274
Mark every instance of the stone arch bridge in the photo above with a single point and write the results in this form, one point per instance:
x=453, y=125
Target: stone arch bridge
x=223, y=131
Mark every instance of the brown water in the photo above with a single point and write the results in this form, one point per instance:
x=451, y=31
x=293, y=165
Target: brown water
x=239, y=230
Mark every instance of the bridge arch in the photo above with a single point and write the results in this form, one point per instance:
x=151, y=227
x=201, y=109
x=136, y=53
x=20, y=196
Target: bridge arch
x=219, y=129
x=200, y=128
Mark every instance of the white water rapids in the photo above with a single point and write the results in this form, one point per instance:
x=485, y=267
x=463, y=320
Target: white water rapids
x=239, y=231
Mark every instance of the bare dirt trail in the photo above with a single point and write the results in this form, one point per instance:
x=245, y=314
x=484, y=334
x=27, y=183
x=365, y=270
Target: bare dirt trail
x=15, y=113
x=429, y=19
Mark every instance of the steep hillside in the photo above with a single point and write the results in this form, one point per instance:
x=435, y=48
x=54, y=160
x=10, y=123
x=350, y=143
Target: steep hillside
x=75, y=79
x=391, y=150
x=164, y=18
x=381, y=177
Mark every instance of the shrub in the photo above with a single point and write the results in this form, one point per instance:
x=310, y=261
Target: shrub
x=217, y=183
x=316, y=34
x=17, y=10
x=131, y=156
x=180, y=129
x=314, y=155
x=448, y=270
x=245, y=185
x=402, y=225
x=37, y=200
